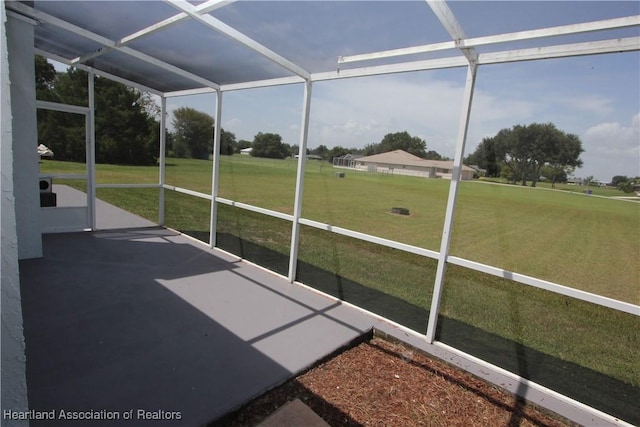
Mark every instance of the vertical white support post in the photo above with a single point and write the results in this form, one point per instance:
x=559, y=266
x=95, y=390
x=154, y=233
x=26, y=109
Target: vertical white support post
x=216, y=167
x=451, y=203
x=91, y=154
x=297, y=208
x=162, y=157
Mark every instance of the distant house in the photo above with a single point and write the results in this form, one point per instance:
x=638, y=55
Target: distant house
x=346, y=161
x=400, y=162
x=575, y=181
x=246, y=151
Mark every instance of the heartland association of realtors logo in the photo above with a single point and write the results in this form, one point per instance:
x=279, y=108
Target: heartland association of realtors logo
x=103, y=414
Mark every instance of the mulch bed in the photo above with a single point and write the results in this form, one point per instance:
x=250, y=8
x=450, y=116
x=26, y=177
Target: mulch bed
x=379, y=383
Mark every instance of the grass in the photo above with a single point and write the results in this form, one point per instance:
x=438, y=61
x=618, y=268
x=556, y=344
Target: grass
x=589, y=243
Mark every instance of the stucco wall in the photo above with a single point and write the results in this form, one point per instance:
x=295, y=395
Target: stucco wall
x=25, y=137
x=13, y=363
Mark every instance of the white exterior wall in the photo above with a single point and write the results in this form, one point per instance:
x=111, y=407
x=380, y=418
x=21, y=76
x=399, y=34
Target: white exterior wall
x=25, y=137
x=14, y=384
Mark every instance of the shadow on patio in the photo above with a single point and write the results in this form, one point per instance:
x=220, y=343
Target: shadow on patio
x=146, y=319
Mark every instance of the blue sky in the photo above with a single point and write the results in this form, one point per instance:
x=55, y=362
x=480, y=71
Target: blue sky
x=595, y=97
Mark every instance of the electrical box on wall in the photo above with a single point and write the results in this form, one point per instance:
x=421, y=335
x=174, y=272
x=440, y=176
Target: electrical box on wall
x=45, y=185
x=47, y=196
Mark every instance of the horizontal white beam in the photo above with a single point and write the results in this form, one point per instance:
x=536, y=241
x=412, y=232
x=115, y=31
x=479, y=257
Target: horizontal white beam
x=128, y=186
x=563, y=30
x=281, y=81
x=252, y=208
x=44, y=17
x=369, y=238
x=66, y=108
x=405, y=67
x=562, y=51
x=548, y=286
x=186, y=191
x=236, y=35
x=188, y=92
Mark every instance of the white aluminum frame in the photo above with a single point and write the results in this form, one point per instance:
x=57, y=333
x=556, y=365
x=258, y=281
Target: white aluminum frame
x=469, y=58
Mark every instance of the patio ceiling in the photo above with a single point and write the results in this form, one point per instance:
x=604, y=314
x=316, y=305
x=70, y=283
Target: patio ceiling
x=177, y=47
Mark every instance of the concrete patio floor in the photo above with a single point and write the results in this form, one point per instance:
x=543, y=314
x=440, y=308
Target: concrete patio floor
x=147, y=319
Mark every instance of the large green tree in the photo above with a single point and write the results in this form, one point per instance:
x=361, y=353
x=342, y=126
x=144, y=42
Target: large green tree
x=125, y=132
x=269, y=145
x=193, y=133
x=486, y=157
x=398, y=141
x=228, y=143
x=520, y=153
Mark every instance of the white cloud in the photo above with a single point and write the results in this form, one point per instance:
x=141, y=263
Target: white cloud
x=613, y=138
x=612, y=148
x=590, y=103
x=354, y=113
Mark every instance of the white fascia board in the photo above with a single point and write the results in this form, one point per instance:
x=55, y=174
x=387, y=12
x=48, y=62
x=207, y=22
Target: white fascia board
x=44, y=17
x=202, y=8
x=109, y=76
x=562, y=51
x=586, y=27
x=405, y=67
x=238, y=36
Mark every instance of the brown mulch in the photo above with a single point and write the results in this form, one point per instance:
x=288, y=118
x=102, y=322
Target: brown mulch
x=379, y=383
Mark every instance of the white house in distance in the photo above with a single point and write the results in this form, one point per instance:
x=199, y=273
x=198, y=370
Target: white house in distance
x=399, y=162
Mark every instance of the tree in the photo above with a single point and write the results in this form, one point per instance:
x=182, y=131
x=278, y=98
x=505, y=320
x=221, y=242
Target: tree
x=433, y=155
x=524, y=150
x=398, y=141
x=624, y=183
x=193, y=133
x=337, y=151
x=564, y=157
x=45, y=77
x=125, y=132
x=269, y=145
x=227, y=142
x=242, y=144
x=618, y=179
x=322, y=151
x=486, y=157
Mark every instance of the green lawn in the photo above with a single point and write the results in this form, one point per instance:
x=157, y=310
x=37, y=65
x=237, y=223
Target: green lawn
x=589, y=243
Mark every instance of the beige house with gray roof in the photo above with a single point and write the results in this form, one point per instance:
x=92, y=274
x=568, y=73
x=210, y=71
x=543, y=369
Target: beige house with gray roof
x=399, y=162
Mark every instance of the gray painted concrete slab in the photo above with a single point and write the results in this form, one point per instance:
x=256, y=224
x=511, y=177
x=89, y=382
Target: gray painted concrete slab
x=149, y=320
